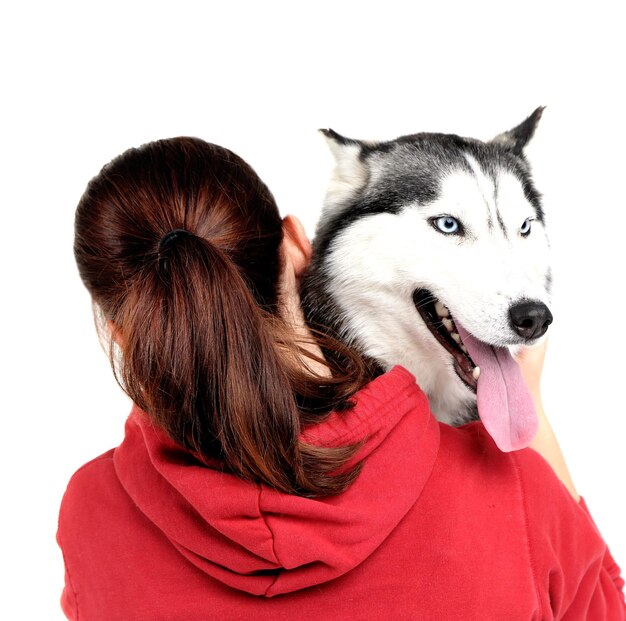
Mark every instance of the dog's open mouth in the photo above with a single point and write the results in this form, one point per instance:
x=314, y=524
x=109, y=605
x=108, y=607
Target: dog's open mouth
x=439, y=321
x=504, y=403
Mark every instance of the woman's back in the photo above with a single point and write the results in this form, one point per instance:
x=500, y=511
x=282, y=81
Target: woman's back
x=439, y=525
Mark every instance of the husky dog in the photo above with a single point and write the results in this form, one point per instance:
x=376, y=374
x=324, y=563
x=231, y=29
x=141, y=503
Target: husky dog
x=432, y=253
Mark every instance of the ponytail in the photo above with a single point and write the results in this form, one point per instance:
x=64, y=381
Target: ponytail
x=202, y=362
x=204, y=352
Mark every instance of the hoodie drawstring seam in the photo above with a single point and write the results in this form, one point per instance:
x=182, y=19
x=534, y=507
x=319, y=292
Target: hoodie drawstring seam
x=368, y=422
x=271, y=532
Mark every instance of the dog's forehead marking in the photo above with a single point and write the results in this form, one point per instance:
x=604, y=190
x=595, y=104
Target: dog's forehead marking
x=488, y=188
x=511, y=194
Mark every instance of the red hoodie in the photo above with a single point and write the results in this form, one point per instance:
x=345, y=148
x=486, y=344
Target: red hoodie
x=439, y=525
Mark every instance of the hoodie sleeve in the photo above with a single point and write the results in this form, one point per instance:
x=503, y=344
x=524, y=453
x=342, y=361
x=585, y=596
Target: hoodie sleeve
x=575, y=575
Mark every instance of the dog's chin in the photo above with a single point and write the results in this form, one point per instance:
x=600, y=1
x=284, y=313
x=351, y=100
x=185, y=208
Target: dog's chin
x=440, y=322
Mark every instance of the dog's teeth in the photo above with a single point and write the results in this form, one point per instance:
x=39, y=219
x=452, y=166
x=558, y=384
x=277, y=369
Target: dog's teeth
x=463, y=348
x=476, y=373
x=455, y=336
x=442, y=311
x=447, y=324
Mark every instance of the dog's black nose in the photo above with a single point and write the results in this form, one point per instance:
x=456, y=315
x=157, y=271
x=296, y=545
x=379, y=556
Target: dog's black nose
x=530, y=319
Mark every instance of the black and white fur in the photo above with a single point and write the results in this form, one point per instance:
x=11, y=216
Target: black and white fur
x=378, y=242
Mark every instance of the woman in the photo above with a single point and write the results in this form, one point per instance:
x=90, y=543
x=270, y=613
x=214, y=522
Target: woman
x=258, y=480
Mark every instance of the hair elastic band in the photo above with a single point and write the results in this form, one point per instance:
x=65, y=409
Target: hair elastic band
x=169, y=238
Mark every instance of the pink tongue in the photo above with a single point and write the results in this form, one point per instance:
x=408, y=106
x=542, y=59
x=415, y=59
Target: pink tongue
x=504, y=403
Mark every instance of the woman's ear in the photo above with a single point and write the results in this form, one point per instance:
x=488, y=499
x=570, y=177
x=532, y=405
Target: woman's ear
x=115, y=333
x=296, y=244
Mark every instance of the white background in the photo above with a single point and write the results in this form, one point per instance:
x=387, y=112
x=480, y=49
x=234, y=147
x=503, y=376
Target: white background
x=81, y=83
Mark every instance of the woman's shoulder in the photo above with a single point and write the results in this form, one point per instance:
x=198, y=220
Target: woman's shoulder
x=472, y=445
x=93, y=485
x=516, y=497
x=88, y=473
x=469, y=457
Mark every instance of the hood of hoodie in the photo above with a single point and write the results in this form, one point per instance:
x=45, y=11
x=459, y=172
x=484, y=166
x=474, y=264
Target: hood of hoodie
x=264, y=542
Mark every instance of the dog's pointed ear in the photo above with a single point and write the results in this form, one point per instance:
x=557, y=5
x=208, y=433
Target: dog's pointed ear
x=351, y=171
x=518, y=137
x=339, y=145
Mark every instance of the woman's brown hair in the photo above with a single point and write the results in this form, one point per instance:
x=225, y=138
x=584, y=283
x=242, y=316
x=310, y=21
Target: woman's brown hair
x=178, y=243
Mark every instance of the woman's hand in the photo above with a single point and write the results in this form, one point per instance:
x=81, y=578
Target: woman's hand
x=530, y=360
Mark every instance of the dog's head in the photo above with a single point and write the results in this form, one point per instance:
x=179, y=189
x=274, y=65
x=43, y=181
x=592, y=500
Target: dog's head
x=430, y=234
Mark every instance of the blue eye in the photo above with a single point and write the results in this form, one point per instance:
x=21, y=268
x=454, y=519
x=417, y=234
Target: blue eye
x=525, y=228
x=447, y=225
